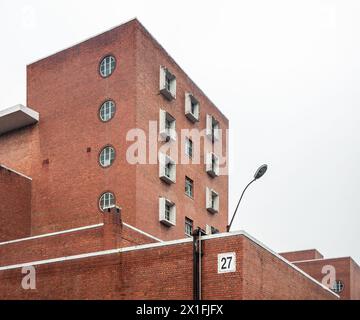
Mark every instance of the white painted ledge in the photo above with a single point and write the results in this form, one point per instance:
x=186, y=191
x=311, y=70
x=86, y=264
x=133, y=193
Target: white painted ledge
x=17, y=117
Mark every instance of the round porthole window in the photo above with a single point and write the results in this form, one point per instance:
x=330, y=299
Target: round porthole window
x=107, y=156
x=107, y=66
x=338, y=286
x=107, y=200
x=107, y=110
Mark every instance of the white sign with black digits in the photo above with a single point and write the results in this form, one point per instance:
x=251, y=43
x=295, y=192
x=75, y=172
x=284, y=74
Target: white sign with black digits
x=226, y=262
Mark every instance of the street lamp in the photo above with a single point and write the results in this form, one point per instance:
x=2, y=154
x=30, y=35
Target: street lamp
x=258, y=174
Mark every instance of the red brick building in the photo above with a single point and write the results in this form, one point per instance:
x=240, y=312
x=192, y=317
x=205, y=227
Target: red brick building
x=66, y=168
x=61, y=152
x=346, y=271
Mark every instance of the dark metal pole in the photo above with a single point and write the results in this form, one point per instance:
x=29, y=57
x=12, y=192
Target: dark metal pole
x=232, y=219
x=197, y=254
x=195, y=266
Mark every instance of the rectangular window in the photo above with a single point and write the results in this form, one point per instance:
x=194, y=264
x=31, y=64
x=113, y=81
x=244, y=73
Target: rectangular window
x=192, y=107
x=167, y=169
x=189, y=187
x=212, y=200
x=167, y=212
x=188, y=147
x=167, y=83
x=212, y=128
x=214, y=230
x=211, y=230
x=212, y=164
x=167, y=126
x=188, y=226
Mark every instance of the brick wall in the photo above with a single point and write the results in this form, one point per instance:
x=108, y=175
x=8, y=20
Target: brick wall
x=342, y=268
x=302, y=255
x=15, y=205
x=267, y=277
x=355, y=280
x=165, y=272
x=94, y=239
x=67, y=91
x=149, y=57
x=19, y=150
x=226, y=285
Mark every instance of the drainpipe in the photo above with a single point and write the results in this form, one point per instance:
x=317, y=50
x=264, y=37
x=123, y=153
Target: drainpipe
x=197, y=254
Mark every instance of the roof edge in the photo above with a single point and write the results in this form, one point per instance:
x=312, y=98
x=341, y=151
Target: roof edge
x=82, y=41
x=19, y=107
x=153, y=39
x=16, y=172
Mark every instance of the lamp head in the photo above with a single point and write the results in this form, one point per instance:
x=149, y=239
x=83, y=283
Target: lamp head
x=260, y=172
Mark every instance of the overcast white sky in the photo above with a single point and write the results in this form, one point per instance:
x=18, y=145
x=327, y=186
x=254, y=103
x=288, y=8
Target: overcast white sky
x=286, y=74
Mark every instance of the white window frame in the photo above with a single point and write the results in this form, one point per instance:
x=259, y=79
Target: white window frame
x=168, y=92
x=162, y=215
x=212, y=128
x=212, y=167
x=107, y=156
x=189, y=100
x=164, y=160
x=107, y=197
x=212, y=200
x=167, y=133
x=107, y=66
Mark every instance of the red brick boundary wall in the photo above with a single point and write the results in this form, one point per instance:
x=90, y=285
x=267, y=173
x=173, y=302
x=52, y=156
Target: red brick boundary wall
x=87, y=239
x=164, y=271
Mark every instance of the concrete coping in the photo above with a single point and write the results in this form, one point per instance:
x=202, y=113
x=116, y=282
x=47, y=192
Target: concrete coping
x=17, y=117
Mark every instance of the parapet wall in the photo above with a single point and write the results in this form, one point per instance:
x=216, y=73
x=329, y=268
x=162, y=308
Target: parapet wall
x=71, y=242
x=164, y=270
x=302, y=255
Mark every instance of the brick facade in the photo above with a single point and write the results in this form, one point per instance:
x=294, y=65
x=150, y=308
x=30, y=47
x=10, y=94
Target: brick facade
x=15, y=205
x=346, y=270
x=128, y=273
x=103, y=236
x=53, y=221
x=61, y=152
x=354, y=280
x=302, y=255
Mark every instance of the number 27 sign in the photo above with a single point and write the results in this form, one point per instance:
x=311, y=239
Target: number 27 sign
x=226, y=262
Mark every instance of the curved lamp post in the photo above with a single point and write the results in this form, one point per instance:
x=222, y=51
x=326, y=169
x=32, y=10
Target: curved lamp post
x=258, y=174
